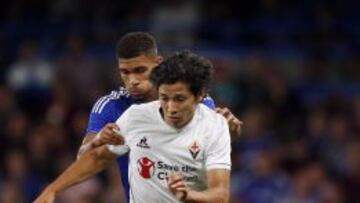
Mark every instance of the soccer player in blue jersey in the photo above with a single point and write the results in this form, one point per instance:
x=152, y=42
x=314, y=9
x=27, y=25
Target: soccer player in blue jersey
x=137, y=56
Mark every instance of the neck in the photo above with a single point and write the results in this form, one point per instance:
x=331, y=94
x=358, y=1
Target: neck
x=152, y=96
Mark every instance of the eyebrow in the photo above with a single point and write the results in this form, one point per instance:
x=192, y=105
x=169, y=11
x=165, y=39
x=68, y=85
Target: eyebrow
x=137, y=67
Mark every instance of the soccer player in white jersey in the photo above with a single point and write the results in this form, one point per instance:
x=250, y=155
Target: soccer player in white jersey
x=179, y=149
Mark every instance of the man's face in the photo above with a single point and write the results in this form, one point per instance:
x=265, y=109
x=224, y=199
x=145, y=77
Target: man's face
x=135, y=75
x=178, y=103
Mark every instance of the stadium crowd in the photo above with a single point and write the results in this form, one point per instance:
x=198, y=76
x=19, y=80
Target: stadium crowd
x=290, y=72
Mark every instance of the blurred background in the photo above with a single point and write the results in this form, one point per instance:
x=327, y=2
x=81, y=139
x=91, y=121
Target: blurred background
x=290, y=70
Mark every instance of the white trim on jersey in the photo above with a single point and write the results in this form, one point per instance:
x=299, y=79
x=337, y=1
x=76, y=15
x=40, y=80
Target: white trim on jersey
x=96, y=105
x=115, y=94
x=108, y=98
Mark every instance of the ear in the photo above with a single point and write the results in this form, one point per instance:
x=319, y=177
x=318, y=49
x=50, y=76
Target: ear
x=159, y=59
x=201, y=96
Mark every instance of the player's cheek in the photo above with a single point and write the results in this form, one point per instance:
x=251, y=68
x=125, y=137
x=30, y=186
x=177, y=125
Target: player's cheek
x=125, y=79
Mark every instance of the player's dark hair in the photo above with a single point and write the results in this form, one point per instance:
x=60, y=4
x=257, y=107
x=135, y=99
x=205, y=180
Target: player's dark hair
x=134, y=44
x=187, y=67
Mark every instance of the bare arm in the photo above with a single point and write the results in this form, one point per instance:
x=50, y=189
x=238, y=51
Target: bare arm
x=87, y=166
x=85, y=145
x=219, y=188
x=217, y=192
x=234, y=123
x=106, y=136
x=116, y=190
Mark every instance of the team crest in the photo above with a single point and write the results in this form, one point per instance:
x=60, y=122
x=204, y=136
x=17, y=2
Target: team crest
x=194, y=149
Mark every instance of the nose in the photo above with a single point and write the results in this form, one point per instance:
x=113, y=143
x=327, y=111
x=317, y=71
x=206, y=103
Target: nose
x=172, y=108
x=133, y=80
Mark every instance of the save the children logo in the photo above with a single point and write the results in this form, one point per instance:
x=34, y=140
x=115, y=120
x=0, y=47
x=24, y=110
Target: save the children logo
x=146, y=167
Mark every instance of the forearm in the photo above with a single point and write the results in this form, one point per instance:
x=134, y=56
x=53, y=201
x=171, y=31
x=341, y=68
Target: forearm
x=218, y=188
x=234, y=135
x=86, y=145
x=235, y=131
x=87, y=166
x=84, y=149
x=107, y=135
x=216, y=195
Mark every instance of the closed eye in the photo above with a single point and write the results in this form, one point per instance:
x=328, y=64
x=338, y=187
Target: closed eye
x=124, y=71
x=140, y=69
x=180, y=98
x=163, y=97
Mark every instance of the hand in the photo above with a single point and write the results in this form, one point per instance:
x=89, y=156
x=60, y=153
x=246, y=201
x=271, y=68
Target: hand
x=177, y=186
x=234, y=123
x=47, y=196
x=108, y=135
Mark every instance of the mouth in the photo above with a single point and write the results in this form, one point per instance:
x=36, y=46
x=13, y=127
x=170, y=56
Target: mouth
x=174, y=119
x=136, y=93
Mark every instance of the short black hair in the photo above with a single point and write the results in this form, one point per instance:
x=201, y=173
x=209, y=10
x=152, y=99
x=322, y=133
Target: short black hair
x=134, y=44
x=187, y=67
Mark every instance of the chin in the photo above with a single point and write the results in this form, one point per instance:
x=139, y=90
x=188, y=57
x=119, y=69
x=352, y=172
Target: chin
x=178, y=125
x=138, y=98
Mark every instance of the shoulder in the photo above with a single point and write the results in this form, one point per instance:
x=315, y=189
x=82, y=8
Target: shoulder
x=140, y=114
x=120, y=95
x=210, y=116
x=144, y=108
x=208, y=98
x=209, y=102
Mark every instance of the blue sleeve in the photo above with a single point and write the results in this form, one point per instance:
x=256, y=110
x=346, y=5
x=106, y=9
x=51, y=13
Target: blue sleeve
x=209, y=102
x=103, y=112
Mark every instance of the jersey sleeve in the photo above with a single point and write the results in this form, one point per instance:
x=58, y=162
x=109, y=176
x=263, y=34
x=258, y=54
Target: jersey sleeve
x=219, y=147
x=209, y=102
x=123, y=122
x=101, y=114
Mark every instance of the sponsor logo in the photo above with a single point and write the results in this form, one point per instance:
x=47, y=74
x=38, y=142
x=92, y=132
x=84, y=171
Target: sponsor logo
x=194, y=149
x=143, y=143
x=146, y=167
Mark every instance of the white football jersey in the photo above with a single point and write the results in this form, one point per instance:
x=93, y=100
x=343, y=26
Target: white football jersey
x=157, y=149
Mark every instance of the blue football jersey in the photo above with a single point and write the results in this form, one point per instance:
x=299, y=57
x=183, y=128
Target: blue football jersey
x=108, y=109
